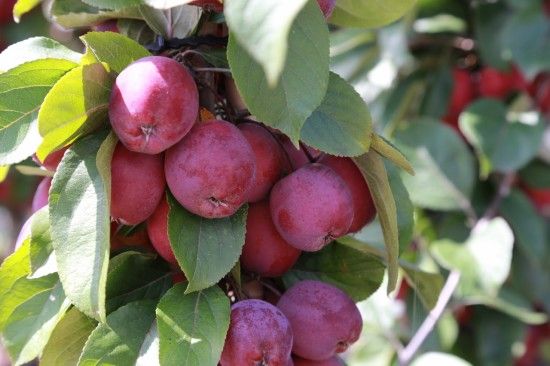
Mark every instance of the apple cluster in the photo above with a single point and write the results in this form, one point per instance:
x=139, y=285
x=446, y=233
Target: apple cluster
x=299, y=199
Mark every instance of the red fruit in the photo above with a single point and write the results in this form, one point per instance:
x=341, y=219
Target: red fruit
x=6, y=11
x=540, y=90
x=41, y=195
x=211, y=170
x=270, y=159
x=265, y=252
x=498, y=84
x=333, y=361
x=52, y=161
x=327, y=7
x=311, y=207
x=540, y=198
x=137, y=185
x=154, y=103
x=178, y=277
x=464, y=92
x=259, y=334
x=106, y=26
x=324, y=320
x=363, y=205
x=297, y=158
x=463, y=315
x=403, y=291
x=157, y=228
x=209, y=5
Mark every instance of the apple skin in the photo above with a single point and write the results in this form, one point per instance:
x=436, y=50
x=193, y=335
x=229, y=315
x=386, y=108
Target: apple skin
x=157, y=228
x=154, y=104
x=259, y=334
x=265, y=252
x=311, y=207
x=296, y=158
x=327, y=7
x=540, y=197
x=137, y=185
x=41, y=195
x=209, y=5
x=325, y=320
x=106, y=26
x=364, y=209
x=498, y=84
x=211, y=170
x=6, y=11
x=463, y=93
x=52, y=161
x=270, y=159
x=333, y=361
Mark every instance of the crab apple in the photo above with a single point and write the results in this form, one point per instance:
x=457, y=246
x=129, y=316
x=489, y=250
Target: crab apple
x=327, y=7
x=498, y=84
x=6, y=11
x=106, y=26
x=333, y=361
x=265, y=252
x=324, y=320
x=363, y=205
x=259, y=334
x=41, y=194
x=297, y=158
x=270, y=159
x=211, y=170
x=209, y=5
x=157, y=228
x=540, y=197
x=463, y=93
x=52, y=161
x=311, y=207
x=154, y=103
x=137, y=185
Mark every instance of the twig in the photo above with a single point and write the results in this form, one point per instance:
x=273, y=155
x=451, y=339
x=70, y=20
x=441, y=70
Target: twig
x=406, y=355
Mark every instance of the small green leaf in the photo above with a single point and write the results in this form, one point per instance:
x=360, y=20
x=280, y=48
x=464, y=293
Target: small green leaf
x=302, y=84
x=118, y=341
x=4, y=170
x=80, y=221
x=137, y=30
x=75, y=13
x=13, y=268
x=372, y=168
x=176, y=22
x=356, y=273
x=192, y=327
x=341, y=125
x=75, y=106
x=22, y=90
x=35, y=48
x=489, y=19
x=135, y=276
x=205, y=249
x=22, y=7
x=536, y=174
x=392, y=153
x=506, y=145
x=67, y=339
x=41, y=250
x=114, y=49
x=265, y=34
x=369, y=14
x=444, y=167
x=29, y=327
x=113, y=4
x=427, y=285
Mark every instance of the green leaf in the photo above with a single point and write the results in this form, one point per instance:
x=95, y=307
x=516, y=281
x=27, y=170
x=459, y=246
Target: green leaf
x=437, y=358
x=372, y=168
x=357, y=273
x=302, y=84
x=530, y=23
x=13, y=268
x=33, y=171
x=205, y=249
x=137, y=30
x=80, y=221
x=369, y=14
x=118, y=341
x=176, y=22
x=528, y=226
x=113, y=4
x=22, y=7
x=484, y=261
x=22, y=90
x=265, y=35
x=536, y=174
x=439, y=86
x=489, y=21
x=4, y=170
x=392, y=153
x=114, y=49
x=35, y=48
x=75, y=106
x=30, y=325
x=67, y=339
x=341, y=125
x=192, y=327
x=75, y=13
x=427, y=285
x=135, y=276
x=42, y=258
x=504, y=145
x=445, y=170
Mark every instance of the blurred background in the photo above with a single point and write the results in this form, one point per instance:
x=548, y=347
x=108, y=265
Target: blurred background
x=463, y=88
